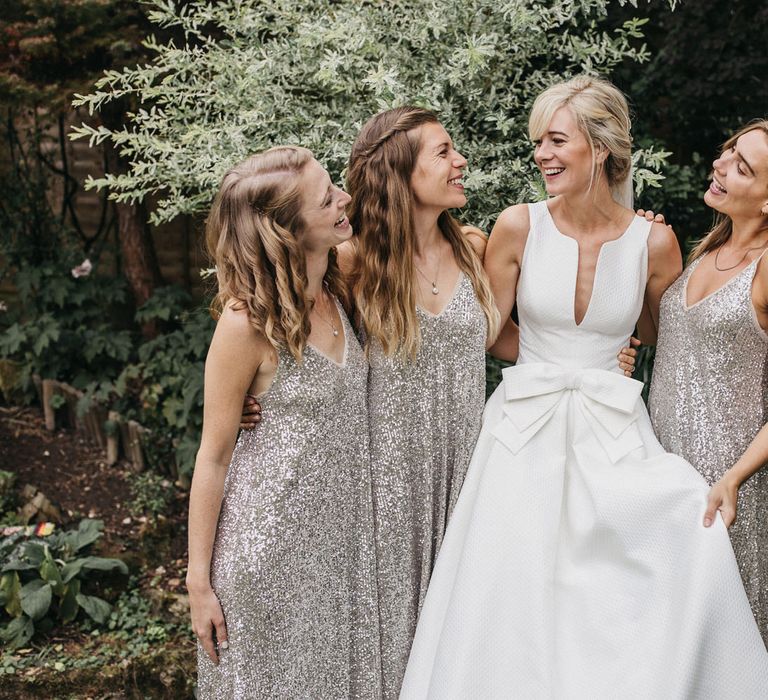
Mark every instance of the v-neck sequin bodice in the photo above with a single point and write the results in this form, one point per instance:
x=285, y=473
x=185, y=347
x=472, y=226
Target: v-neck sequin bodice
x=425, y=417
x=709, y=398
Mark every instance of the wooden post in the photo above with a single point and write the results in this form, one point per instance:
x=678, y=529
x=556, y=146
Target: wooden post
x=133, y=448
x=50, y=414
x=113, y=438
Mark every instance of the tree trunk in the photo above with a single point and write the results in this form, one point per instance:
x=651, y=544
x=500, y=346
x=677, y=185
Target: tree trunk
x=137, y=249
x=138, y=252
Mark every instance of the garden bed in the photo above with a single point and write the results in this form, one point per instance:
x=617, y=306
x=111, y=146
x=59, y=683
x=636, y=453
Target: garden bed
x=145, y=650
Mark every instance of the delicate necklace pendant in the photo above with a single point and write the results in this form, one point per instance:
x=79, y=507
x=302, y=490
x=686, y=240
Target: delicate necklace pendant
x=435, y=290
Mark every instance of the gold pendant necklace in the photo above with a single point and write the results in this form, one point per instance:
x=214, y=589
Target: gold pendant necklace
x=326, y=320
x=435, y=290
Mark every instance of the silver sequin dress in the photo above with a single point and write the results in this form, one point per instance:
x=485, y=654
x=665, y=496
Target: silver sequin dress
x=425, y=417
x=293, y=561
x=708, y=400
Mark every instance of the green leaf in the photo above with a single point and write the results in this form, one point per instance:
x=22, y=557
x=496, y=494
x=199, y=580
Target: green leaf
x=68, y=606
x=34, y=553
x=71, y=569
x=18, y=631
x=95, y=608
x=104, y=564
x=11, y=340
x=10, y=585
x=49, y=571
x=88, y=532
x=36, y=598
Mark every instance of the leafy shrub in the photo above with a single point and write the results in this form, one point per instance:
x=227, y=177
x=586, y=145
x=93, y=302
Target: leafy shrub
x=62, y=327
x=312, y=72
x=162, y=388
x=44, y=580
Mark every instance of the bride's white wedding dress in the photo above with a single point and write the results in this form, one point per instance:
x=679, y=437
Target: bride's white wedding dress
x=575, y=565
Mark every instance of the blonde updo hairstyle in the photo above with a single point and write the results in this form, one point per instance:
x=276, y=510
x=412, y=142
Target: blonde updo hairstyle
x=252, y=235
x=602, y=115
x=381, y=164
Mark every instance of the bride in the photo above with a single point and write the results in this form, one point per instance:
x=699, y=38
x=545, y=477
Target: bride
x=575, y=564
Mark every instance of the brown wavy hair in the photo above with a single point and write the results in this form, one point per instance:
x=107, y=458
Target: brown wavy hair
x=252, y=236
x=723, y=228
x=381, y=212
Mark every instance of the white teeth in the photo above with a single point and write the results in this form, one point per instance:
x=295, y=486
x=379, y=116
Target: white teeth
x=455, y=181
x=718, y=186
x=340, y=219
x=553, y=171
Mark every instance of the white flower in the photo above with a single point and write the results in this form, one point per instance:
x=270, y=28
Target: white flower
x=83, y=269
x=3, y=306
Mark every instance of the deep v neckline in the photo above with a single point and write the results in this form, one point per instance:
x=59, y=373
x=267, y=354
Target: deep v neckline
x=448, y=303
x=726, y=284
x=580, y=324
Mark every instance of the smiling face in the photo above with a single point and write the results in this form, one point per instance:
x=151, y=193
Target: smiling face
x=323, y=209
x=564, y=156
x=436, y=181
x=739, y=186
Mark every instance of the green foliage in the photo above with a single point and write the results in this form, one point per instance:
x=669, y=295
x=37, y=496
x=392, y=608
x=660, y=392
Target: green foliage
x=62, y=327
x=151, y=495
x=248, y=75
x=43, y=580
x=162, y=388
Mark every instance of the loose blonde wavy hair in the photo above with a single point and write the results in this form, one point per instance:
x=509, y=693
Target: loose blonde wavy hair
x=252, y=236
x=602, y=115
x=381, y=212
x=723, y=228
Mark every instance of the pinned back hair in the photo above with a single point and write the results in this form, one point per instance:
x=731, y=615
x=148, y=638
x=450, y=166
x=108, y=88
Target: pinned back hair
x=602, y=115
x=379, y=181
x=251, y=234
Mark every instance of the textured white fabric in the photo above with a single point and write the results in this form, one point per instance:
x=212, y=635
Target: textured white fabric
x=575, y=565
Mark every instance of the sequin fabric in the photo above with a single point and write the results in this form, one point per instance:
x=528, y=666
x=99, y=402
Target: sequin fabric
x=293, y=561
x=708, y=400
x=425, y=417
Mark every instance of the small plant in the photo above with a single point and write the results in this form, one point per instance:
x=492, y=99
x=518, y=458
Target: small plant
x=151, y=494
x=44, y=579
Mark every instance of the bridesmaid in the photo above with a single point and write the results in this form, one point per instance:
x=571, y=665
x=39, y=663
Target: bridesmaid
x=709, y=393
x=281, y=570
x=426, y=311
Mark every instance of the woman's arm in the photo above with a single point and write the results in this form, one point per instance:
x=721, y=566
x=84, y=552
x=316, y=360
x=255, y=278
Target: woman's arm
x=507, y=345
x=664, y=266
x=503, y=257
x=233, y=361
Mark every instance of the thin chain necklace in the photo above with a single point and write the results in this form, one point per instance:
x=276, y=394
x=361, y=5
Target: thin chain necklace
x=435, y=290
x=741, y=260
x=323, y=318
